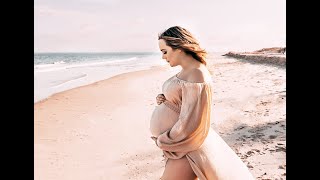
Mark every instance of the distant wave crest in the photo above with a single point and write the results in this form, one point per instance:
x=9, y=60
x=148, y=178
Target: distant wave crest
x=61, y=65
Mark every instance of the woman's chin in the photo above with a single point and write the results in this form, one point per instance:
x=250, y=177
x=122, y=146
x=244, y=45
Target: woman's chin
x=172, y=65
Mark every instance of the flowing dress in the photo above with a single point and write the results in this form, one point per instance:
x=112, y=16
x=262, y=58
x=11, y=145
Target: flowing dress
x=181, y=125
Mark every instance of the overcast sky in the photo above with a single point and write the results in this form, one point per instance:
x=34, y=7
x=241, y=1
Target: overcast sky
x=127, y=25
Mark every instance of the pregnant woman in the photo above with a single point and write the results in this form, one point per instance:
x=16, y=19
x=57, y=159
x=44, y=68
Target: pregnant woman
x=180, y=124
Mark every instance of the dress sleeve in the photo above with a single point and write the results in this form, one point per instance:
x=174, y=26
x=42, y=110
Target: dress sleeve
x=193, y=124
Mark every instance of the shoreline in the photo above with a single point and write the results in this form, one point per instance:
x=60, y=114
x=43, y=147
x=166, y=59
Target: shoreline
x=102, y=129
x=59, y=72
x=42, y=97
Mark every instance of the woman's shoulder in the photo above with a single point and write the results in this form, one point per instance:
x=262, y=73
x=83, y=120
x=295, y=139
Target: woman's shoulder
x=198, y=75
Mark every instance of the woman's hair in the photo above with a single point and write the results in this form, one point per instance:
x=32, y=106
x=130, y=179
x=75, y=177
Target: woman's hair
x=179, y=38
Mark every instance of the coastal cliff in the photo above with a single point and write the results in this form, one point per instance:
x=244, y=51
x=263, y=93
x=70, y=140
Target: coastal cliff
x=274, y=55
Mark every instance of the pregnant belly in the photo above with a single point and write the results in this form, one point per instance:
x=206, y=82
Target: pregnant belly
x=162, y=119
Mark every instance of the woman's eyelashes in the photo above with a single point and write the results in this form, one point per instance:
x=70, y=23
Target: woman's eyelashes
x=164, y=52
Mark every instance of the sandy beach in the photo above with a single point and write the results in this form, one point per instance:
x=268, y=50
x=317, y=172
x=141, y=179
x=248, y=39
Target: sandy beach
x=101, y=131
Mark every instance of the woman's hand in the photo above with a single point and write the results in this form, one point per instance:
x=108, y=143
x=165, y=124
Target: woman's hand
x=160, y=98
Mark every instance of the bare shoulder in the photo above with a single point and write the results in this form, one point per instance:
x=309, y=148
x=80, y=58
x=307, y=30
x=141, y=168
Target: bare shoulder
x=198, y=75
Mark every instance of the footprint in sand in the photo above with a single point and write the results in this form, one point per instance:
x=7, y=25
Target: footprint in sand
x=250, y=166
x=257, y=135
x=249, y=153
x=239, y=128
x=279, y=149
x=273, y=123
x=272, y=136
x=264, y=103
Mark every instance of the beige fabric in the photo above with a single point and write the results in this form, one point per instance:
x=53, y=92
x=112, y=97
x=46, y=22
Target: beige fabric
x=182, y=127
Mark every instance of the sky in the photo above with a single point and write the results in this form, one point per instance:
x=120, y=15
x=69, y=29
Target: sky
x=133, y=26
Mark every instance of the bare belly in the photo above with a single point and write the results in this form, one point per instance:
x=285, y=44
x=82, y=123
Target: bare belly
x=162, y=119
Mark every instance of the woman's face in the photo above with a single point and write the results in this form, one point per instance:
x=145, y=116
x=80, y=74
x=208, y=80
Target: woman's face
x=169, y=54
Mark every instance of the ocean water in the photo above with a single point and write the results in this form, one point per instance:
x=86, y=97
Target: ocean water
x=57, y=72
